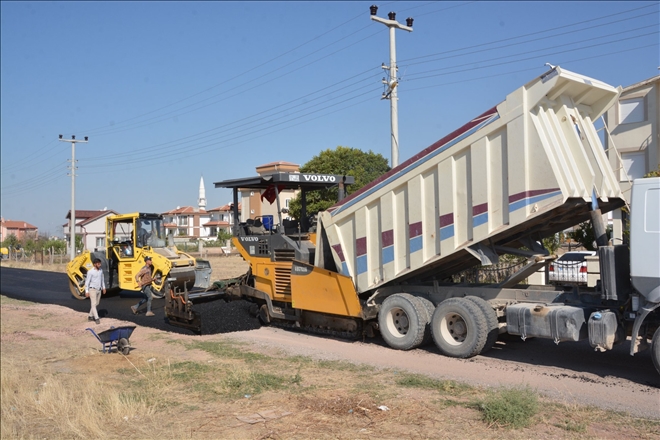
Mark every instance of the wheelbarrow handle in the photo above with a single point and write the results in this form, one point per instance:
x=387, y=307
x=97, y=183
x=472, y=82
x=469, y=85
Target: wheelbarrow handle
x=94, y=333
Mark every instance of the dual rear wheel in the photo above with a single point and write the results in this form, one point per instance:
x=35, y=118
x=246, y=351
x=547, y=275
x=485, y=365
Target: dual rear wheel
x=460, y=327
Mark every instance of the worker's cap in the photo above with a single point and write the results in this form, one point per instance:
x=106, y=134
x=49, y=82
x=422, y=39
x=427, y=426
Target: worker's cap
x=147, y=258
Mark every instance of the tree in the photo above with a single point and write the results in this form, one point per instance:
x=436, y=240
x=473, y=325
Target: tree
x=10, y=241
x=79, y=243
x=553, y=242
x=57, y=246
x=223, y=235
x=364, y=167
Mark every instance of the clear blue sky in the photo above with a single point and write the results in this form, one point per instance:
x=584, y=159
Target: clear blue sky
x=171, y=91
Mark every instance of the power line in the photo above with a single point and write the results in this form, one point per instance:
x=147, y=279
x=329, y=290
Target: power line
x=525, y=42
x=239, y=139
x=523, y=59
x=559, y=63
x=227, y=128
x=536, y=33
x=93, y=131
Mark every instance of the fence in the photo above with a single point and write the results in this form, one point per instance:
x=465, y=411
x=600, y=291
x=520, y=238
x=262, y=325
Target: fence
x=43, y=257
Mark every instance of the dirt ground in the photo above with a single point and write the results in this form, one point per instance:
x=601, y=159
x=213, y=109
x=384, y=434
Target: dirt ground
x=57, y=383
x=46, y=348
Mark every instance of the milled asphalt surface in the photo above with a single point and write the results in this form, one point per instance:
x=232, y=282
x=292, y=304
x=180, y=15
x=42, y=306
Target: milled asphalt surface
x=53, y=288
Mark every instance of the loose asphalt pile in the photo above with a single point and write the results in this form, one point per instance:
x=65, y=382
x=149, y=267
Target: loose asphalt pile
x=225, y=317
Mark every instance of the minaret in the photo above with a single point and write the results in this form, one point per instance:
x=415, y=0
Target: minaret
x=202, y=195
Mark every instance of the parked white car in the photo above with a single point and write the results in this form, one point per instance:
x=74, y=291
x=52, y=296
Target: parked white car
x=570, y=268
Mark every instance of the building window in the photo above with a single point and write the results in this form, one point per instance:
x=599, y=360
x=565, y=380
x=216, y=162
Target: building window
x=633, y=165
x=182, y=232
x=631, y=111
x=286, y=203
x=183, y=221
x=100, y=242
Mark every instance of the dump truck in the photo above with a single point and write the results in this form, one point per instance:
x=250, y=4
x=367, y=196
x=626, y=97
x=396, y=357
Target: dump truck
x=129, y=239
x=382, y=258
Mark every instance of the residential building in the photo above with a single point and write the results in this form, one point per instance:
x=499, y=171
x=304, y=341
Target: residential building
x=633, y=123
x=189, y=222
x=90, y=225
x=252, y=203
x=19, y=228
x=222, y=218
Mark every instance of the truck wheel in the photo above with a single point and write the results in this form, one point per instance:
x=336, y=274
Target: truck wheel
x=491, y=321
x=430, y=308
x=459, y=328
x=655, y=349
x=402, y=320
x=75, y=292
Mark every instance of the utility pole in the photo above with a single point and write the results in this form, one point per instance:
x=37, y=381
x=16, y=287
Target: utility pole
x=72, y=221
x=391, y=92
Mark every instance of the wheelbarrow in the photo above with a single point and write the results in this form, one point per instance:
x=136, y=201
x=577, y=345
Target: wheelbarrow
x=115, y=337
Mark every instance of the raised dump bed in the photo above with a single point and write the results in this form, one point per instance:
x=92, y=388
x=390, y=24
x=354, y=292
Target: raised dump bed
x=529, y=167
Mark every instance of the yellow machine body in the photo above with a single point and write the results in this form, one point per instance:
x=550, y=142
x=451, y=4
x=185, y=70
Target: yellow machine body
x=129, y=239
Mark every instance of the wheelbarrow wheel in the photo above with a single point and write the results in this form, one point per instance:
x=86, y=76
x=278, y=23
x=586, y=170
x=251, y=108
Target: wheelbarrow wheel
x=123, y=346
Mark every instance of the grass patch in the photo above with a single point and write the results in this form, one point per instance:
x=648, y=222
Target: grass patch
x=571, y=426
x=424, y=382
x=242, y=383
x=510, y=408
x=189, y=371
x=5, y=301
x=344, y=366
x=228, y=351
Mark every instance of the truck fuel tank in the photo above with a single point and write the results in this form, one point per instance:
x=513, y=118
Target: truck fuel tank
x=558, y=322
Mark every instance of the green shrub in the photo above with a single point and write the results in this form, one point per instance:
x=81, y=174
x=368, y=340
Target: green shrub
x=512, y=408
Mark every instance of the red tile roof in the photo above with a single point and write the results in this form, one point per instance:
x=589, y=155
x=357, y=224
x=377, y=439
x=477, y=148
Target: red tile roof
x=225, y=208
x=185, y=210
x=17, y=224
x=216, y=223
x=88, y=216
x=91, y=219
x=85, y=214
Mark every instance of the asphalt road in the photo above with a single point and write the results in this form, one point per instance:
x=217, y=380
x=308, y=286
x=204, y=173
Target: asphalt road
x=53, y=288
x=614, y=377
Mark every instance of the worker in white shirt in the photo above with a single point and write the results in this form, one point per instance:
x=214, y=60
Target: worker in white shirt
x=94, y=285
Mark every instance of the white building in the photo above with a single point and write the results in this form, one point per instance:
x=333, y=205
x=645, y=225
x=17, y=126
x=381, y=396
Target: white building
x=222, y=218
x=90, y=225
x=633, y=123
x=189, y=222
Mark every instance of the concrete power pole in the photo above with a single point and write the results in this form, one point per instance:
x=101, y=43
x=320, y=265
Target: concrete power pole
x=72, y=221
x=392, y=83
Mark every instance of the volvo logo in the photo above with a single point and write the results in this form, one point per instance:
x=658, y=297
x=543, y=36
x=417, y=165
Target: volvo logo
x=249, y=238
x=318, y=178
